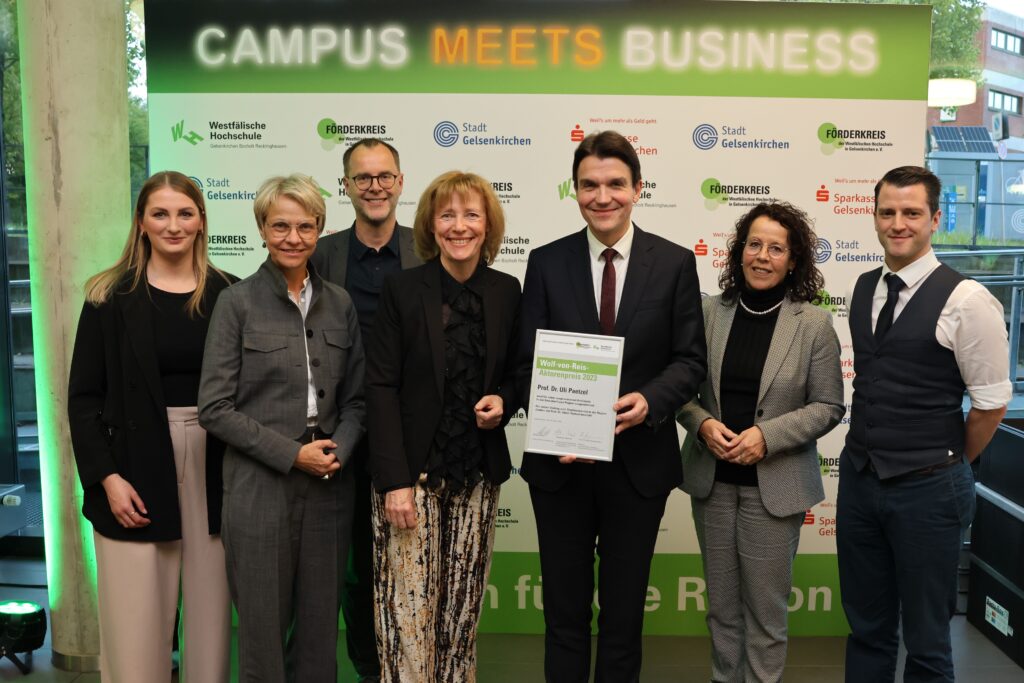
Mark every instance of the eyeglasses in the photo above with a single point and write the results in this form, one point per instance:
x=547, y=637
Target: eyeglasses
x=282, y=230
x=385, y=180
x=754, y=247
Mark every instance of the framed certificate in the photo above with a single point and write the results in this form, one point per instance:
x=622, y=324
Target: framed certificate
x=574, y=385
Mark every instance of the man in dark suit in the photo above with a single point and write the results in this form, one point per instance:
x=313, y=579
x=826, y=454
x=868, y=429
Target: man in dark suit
x=359, y=259
x=610, y=278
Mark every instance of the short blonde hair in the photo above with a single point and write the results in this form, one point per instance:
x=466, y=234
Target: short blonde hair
x=438, y=194
x=297, y=187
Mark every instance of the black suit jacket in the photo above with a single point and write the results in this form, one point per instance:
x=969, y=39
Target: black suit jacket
x=664, y=357
x=405, y=373
x=331, y=256
x=118, y=417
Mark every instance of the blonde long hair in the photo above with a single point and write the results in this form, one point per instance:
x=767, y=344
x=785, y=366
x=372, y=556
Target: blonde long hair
x=137, y=250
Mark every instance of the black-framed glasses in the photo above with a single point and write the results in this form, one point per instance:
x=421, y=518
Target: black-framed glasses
x=754, y=247
x=364, y=180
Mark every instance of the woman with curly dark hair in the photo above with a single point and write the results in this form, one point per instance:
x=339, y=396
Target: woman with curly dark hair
x=750, y=463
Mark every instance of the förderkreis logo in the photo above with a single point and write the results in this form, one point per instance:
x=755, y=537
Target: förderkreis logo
x=851, y=139
x=332, y=133
x=716, y=193
x=449, y=134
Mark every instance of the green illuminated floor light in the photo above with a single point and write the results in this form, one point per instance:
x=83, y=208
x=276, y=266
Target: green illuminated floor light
x=22, y=629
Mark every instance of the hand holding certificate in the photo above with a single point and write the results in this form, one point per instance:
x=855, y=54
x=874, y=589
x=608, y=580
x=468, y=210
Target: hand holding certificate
x=574, y=395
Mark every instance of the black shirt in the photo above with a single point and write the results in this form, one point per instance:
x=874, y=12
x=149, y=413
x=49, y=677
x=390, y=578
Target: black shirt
x=742, y=364
x=179, y=341
x=366, y=271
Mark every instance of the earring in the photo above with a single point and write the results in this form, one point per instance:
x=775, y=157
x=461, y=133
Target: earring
x=264, y=245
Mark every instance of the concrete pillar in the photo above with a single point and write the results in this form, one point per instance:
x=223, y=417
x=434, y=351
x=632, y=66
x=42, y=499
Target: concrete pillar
x=75, y=112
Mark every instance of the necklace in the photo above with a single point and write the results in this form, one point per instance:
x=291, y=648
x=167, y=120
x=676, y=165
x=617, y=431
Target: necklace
x=764, y=312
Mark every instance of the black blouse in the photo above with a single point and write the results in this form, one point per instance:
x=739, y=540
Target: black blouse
x=456, y=453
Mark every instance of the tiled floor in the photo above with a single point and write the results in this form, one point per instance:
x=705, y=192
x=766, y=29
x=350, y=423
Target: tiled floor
x=519, y=659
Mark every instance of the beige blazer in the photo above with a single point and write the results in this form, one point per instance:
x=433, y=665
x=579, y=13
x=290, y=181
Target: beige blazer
x=800, y=399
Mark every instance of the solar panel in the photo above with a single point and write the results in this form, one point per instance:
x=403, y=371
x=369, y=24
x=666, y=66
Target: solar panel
x=963, y=139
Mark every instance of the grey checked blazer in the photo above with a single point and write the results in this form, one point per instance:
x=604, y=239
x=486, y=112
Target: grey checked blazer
x=253, y=388
x=800, y=399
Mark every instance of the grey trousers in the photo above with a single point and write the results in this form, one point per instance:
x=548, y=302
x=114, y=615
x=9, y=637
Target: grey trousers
x=283, y=536
x=748, y=566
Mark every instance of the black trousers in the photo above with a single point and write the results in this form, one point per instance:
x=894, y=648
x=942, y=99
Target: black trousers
x=597, y=510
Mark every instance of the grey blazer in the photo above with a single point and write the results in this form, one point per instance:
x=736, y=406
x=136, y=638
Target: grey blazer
x=331, y=256
x=253, y=389
x=800, y=399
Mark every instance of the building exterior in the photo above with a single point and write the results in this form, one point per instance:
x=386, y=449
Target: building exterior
x=1000, y=104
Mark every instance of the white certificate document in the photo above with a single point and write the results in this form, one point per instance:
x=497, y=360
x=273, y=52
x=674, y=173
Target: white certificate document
x=574, y=385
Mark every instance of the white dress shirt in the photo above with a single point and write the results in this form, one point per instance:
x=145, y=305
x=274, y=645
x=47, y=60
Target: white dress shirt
x=620, y=261
x=305, y=295
x=971, y=325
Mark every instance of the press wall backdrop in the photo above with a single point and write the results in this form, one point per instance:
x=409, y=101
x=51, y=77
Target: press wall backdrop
x=727, y=104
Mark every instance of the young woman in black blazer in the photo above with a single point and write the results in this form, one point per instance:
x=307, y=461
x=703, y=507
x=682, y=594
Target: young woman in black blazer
x=151, y=476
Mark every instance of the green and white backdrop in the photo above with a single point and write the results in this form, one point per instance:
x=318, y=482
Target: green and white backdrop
x=727, y=103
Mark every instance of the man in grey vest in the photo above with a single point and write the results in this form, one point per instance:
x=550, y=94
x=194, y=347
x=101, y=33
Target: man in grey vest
x=360, y=259
x=922, y=335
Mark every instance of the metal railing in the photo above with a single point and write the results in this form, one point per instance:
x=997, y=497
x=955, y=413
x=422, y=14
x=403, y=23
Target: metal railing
x=1014, y=280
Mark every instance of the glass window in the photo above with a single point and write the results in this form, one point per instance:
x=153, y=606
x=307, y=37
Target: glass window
x=1001, y=101
x=1002, y=40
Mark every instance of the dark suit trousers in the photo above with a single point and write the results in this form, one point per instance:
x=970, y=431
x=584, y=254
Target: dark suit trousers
x=898, y=543
x=597, y=508
x=356, y=580
x=282, y=542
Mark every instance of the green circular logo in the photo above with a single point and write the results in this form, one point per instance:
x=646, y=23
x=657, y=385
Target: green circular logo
x=829, y=135
x=711, y=189
x=325, y=127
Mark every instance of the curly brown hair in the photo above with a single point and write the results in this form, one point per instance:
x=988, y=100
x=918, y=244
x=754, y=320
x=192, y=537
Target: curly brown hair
x=805, y=281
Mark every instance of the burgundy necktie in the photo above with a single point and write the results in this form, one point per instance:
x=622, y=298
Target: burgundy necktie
x=608, y=292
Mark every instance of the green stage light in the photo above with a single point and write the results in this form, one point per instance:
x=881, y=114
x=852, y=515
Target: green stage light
x=22, y=629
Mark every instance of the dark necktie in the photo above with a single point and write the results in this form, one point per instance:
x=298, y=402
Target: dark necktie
x=895, y=284
x=608, y=292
